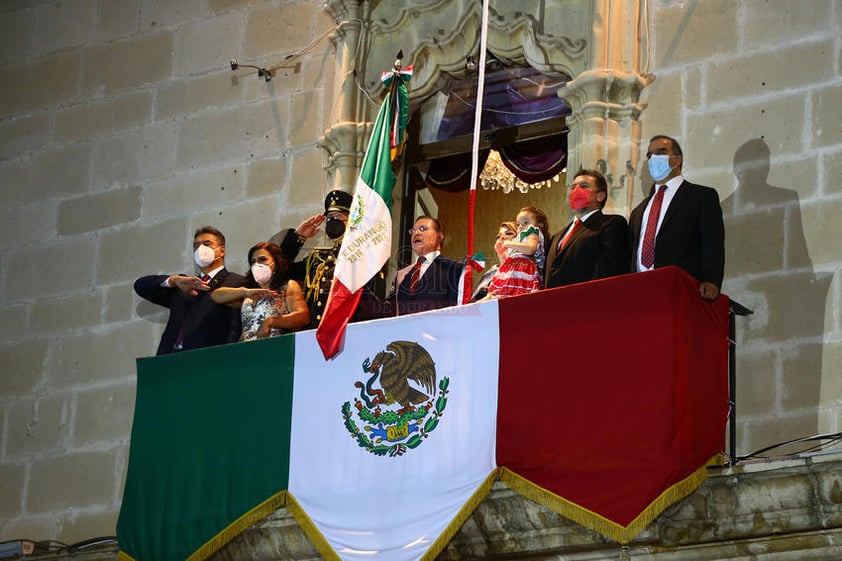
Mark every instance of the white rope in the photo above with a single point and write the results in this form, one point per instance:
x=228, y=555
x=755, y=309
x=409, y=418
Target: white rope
x=483, y=40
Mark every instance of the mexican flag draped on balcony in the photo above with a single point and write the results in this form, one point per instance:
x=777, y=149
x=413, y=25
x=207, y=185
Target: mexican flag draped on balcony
x=367, y=244
x=383, y=452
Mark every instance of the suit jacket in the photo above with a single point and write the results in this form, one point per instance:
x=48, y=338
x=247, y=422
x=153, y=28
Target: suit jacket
x=438, y=288
x=205, y=323
x=598, y=249
x=692, y=234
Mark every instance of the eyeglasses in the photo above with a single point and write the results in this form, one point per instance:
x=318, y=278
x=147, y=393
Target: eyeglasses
x=582, y=185
x=420, y=229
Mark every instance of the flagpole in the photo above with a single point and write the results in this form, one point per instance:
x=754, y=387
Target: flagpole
x=367, y=243
x=472, y=196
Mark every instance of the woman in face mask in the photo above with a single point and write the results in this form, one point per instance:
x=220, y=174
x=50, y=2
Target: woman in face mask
x=270, y=302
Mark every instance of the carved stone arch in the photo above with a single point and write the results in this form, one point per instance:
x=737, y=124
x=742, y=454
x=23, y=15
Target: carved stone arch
x=451, y=32
x=601, y=45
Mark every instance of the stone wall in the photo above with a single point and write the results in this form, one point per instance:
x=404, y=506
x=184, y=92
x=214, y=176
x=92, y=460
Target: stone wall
x=122, y=129
x=752, y=91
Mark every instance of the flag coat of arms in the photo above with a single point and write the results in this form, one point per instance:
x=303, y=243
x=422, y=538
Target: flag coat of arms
x=392, y=439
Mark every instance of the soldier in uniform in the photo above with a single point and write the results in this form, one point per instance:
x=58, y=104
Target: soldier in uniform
x=315, y=272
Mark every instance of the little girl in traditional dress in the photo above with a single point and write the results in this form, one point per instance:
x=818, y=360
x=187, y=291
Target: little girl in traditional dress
x=522, y=272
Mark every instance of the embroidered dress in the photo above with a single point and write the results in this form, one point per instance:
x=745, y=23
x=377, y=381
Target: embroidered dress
x=253, y=312
x=520, y=274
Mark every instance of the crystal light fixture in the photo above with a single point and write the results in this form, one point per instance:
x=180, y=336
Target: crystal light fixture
x=495, y=175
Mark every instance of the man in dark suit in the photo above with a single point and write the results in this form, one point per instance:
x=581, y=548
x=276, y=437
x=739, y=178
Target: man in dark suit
x=680, y=223
x=195, y=321
x=594, y=245
x=430, y=283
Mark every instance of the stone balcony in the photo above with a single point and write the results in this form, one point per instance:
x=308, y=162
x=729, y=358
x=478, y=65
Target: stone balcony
x=786, y=509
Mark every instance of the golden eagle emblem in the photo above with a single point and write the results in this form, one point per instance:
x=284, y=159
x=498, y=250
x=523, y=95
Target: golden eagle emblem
x=396, y=369
x=401, y=362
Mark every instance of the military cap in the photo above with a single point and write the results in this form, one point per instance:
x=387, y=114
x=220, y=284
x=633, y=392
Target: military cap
x=338, y=200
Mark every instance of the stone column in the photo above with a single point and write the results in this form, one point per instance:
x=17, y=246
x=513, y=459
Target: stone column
x=343, y=141
x=604, y=125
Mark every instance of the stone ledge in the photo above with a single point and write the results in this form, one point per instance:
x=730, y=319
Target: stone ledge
x=763, y=510
x=759, y=510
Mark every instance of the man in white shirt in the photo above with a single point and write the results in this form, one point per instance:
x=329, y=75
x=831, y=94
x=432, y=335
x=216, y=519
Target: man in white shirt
x=680, y=223
x=195, y=321
x=594, y=245
x=431, y=282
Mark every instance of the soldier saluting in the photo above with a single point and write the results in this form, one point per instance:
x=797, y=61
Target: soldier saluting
x=315, y=272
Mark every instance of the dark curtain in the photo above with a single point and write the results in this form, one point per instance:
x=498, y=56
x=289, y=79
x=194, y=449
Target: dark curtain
x=453, y=173
x=536, y=160
x=507, y=103
x=530, y=161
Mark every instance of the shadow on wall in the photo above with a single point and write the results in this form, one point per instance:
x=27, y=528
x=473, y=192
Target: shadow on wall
x=780, y=347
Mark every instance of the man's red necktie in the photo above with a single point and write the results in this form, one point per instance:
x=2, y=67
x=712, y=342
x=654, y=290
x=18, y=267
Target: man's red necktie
x=416, y=275
x=647, y=255
x=576, y=225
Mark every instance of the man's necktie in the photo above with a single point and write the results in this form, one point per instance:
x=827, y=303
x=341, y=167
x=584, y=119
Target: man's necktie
x=563, y=242
x=205, y=277
x=416, y=275
x=647, y=255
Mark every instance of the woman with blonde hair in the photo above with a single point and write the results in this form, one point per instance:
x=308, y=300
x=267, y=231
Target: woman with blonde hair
x=506, y=231
x=521, y=273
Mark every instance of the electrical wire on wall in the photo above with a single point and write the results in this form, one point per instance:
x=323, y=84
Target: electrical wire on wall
x=289, y=61
x=814, y=444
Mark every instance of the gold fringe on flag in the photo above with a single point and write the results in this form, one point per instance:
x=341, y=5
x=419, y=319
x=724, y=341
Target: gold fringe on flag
x=310, y=530
x=237, y=527
x=597, y=522
x=461, y=517
x=531, y=491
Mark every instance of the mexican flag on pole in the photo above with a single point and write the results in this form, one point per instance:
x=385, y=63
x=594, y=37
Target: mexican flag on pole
x=367, y=244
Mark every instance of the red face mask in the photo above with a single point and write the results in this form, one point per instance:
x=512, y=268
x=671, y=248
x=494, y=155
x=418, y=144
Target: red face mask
x=580, y=198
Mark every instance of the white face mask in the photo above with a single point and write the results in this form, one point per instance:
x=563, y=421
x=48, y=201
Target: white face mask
x=204, y=256
x=261, y=273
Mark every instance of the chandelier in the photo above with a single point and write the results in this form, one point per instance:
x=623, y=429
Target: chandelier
x=495, y=175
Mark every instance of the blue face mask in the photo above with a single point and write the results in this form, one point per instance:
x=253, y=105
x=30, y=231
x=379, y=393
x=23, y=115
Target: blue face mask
x=659, y=166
